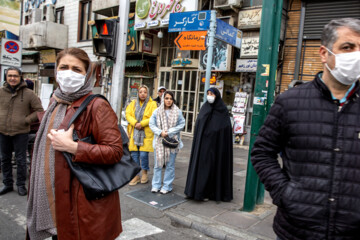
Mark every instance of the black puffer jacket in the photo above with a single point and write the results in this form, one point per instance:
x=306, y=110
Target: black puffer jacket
x=318, y=190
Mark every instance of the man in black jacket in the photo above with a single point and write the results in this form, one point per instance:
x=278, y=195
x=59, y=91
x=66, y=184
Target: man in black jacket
x=316, y=127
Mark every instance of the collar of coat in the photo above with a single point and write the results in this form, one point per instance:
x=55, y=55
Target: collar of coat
x=8, y=88
x=326, y=92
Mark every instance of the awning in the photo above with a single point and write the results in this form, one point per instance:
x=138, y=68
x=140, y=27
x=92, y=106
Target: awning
x=29, y=53
x=137, y=76
x=134, y=63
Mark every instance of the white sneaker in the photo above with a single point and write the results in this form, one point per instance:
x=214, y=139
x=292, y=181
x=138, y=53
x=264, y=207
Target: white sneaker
x=155, y=190
x=162, y=191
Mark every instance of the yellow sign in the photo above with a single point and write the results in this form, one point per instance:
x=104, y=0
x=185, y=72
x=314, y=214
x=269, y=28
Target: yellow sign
x=191, y=40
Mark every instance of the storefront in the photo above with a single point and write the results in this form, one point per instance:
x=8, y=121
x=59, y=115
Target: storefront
x=306, y=20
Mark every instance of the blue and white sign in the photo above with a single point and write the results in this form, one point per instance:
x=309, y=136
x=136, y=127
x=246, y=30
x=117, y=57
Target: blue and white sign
x=189, y=21
x=246, y=65
x=227, y=33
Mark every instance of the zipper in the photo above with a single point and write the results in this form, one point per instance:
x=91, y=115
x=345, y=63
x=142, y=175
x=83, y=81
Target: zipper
x=332, y=170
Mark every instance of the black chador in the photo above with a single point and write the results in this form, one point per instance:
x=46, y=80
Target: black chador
x=210, y=173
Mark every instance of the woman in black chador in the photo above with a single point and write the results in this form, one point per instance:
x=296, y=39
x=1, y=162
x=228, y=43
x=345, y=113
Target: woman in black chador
x=210, y=173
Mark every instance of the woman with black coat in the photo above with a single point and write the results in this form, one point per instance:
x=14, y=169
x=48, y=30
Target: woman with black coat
x=210, y=174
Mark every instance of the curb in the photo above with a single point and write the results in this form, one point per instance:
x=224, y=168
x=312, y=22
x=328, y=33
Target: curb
x=213, y=229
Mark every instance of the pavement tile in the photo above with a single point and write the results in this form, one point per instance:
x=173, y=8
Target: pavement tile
x=263, y=228
x=201, y=208
x=237, y=219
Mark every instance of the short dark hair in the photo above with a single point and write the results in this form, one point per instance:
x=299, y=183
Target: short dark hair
x=15, y=69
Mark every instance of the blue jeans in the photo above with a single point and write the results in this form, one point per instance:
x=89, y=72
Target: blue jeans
x=169, y=174
x=18, y=144
x=143, y=157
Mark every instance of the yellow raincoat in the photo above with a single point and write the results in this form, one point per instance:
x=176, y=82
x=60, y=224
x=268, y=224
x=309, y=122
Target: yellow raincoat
x=149, y=135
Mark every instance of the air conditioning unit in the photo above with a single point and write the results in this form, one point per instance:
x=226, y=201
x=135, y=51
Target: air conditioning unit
x=48, y=13
x=35, y=15
x=227, y=4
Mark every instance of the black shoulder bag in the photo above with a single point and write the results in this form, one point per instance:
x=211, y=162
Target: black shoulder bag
x=98, y=180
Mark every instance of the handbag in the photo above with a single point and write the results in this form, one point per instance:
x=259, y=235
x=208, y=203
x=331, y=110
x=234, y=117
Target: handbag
x=170, y=142
x=98, y=180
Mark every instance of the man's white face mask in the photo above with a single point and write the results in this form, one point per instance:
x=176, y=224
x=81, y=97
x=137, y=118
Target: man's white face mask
x=347, y=67
x=70, y=81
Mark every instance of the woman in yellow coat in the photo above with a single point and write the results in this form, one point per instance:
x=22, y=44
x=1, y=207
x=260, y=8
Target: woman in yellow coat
x=138, y=115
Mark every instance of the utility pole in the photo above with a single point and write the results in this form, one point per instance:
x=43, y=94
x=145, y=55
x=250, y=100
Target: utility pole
x=119, y=66
x=264, y=91
x=209, y=62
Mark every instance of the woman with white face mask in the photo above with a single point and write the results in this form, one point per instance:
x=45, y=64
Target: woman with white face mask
x=211, y=161
x=56, y=198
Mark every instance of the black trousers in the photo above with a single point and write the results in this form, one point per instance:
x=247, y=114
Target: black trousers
x=18, y=144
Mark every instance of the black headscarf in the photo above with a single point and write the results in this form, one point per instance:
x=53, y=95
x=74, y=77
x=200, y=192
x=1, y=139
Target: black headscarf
x=210, y=169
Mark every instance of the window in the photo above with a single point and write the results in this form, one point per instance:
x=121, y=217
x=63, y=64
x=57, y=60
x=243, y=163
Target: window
x=85, y=16
x=59, y=15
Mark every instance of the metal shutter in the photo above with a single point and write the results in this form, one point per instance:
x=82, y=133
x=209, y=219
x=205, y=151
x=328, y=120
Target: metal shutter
x=319, y=13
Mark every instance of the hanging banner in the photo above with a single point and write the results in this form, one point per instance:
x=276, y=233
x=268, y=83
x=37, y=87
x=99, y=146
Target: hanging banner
x=131, y=41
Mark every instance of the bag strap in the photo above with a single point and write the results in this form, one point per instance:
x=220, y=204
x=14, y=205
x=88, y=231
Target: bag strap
x=83, y=107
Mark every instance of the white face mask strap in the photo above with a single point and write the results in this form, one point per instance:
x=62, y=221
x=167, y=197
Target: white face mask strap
x=330, y=51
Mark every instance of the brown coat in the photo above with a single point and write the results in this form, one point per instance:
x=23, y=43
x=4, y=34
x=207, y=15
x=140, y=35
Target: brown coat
x=76, y=217
x=18, y=109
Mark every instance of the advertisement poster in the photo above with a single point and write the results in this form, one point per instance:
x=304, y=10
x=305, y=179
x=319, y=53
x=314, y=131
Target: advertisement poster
x=221, y=57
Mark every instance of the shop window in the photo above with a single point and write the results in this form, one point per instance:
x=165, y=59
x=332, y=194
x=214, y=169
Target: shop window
x=59, y=15
x=85, y=16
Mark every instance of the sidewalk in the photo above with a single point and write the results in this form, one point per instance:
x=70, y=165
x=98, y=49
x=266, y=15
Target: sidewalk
x=222, y=220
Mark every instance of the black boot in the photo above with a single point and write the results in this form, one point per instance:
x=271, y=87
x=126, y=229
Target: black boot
x=22, y=190
x=6, y=189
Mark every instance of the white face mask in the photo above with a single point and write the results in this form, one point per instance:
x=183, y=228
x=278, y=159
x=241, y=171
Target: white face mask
x=347, y=67
x=211, y=99
x=70, y=81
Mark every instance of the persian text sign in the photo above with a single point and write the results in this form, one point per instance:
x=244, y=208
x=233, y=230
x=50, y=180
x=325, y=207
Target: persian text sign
x=249, y=47
x=11, y=52
x=156, y=13
x=249, y=19
x=228, y=33
x=189, y=21
x=191, y=40
x=246, y=65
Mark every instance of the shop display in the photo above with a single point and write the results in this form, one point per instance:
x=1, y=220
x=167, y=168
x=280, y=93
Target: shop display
x=239, y=115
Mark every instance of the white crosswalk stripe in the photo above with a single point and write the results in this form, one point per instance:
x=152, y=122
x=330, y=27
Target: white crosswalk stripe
x=132, y=228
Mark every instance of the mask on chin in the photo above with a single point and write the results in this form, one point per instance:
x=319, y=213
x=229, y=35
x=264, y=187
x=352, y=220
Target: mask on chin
x=70, y=81
x=347, y=67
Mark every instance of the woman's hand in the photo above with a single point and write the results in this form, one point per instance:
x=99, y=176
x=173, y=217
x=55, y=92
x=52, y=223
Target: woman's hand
x=164, y=134
x=138, y=126
x=63, y=140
